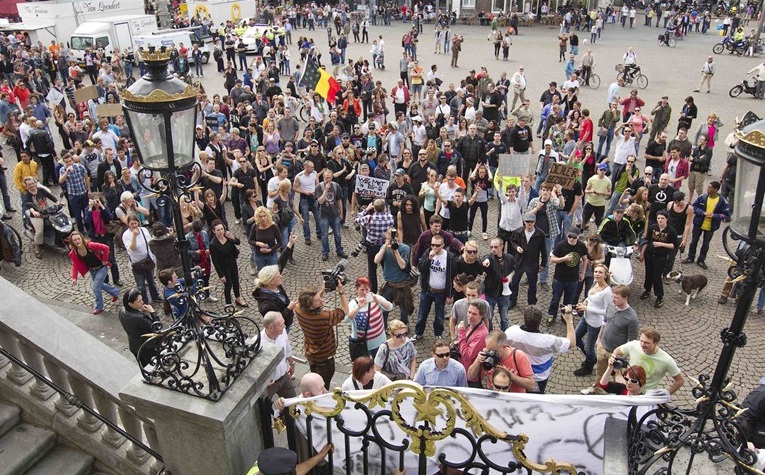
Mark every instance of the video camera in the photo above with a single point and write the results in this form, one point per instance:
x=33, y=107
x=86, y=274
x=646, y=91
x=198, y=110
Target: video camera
x=335, y=276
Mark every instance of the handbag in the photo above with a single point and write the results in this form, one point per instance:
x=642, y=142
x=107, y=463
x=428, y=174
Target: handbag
x=454, y=348
x=390, y=374
x=601, y=132
x=144, y=265
x=357, y=347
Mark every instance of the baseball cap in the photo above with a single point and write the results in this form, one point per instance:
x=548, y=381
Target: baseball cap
x=603, y=166
x=345, y=136
x=277, y=461
x=548, y=142
x=530, y=217
x=573, y=230
x=417, y=118
x=400, y=172
x=619, y=209
x=678, y=196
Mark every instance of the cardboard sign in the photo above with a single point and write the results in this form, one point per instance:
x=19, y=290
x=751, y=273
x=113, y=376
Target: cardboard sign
x=377, y=187
x=511, y=169
x=109, y=110
x=85, y=93
x=563, y=175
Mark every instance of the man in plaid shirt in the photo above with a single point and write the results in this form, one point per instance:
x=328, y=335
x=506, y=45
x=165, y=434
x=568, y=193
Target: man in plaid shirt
x=77, y=181
x=375, y=219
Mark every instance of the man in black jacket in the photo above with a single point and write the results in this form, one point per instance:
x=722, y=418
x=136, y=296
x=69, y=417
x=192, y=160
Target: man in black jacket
x=436, y=283
x=498, y=265
x=41, y=144
x=531, y=257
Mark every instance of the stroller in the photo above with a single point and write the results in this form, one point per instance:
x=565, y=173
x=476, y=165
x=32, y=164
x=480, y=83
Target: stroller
x=381, y=61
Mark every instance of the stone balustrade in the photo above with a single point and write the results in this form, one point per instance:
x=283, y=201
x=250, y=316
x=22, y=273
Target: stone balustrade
x=79, y=364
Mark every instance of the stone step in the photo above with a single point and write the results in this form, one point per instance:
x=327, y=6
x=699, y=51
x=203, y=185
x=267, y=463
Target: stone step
x=22, y=447
x=63, y=461
x=10, y=416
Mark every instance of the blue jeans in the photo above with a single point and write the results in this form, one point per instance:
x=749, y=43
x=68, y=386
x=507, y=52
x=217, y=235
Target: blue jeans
x=503, y=301
x=567, y=290
x=144, y=279
x=550, y=243
x=77, y=206
x=607, y=140
x=263, y=260
x=761, y=299
x=565, y=221
x=4, y=190
x=615, y=198
x=427, y=299
x=326, y=223
x=99, y=286
x=589, y=348
x=287, y=230
x=308, y=206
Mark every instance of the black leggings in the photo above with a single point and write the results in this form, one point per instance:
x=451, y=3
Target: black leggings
x=589, y=211
x=484, y=207
x=232, y=281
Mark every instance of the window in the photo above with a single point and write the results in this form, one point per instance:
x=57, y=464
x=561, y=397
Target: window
x=468, y=4
x=102, y=42
x=81, y=42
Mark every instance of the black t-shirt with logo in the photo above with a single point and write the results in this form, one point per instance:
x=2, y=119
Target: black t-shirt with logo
x=568, y=271
x=658, y=198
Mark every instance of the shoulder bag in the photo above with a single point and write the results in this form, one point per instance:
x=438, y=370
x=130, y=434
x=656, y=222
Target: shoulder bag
x=357, y=347
x=144, y=265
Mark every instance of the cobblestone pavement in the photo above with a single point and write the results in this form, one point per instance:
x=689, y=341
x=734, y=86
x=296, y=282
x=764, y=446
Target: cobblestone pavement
x=690, y=334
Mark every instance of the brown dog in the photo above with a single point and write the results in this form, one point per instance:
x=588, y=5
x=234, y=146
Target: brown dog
x=690, y=285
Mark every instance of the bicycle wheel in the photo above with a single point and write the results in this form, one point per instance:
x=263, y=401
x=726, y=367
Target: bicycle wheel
x=642, y=81
x=718, y=48
x=304, y=113
x=730, y=243
x=594, y=81
x=736, y=91
x=18, y=238
x=624, y=77
x=672, y=42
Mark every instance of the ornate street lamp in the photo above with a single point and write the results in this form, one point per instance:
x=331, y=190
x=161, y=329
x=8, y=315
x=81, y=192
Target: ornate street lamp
x=201, y=353
x=712, y=427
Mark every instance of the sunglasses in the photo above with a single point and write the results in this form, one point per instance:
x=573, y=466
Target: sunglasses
x=472, y=252
x=572, y=236
x=529, y=221
x=441, y=355
x=436, y=245
x=501, y=388
x=401, y=335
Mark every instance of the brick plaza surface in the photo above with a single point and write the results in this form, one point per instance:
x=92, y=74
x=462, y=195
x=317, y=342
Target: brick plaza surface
x=690, y=334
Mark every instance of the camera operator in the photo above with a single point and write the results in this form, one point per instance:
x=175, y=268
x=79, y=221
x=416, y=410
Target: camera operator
x=397, y=287
x=317, y=323
x=376, y=220
x=646, y=353
x=499, y=353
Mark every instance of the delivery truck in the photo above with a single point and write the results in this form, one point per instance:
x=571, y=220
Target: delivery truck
x=44, y=32
x=112, y=34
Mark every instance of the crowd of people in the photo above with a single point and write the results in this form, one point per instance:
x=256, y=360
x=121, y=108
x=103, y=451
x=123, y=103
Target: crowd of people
x=444, y=152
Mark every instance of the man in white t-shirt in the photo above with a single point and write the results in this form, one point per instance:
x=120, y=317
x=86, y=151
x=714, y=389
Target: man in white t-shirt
x=436, y=284
x=305, y=186
x=540, y=347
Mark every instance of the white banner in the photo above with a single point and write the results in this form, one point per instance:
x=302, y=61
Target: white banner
x=377, y=187
x=566, y=429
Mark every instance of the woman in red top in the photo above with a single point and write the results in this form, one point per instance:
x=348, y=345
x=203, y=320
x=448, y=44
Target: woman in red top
x=629, y=104
x=634, y=380
x=353, y=107
x=93, y=257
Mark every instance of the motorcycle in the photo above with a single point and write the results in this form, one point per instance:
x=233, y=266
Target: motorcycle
x=725, y=43
x=748, y=85
x=621, y=264
x=58, y=226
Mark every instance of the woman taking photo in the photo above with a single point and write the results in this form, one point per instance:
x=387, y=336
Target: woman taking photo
x=634, y=379
x=286, y=208
x=397, y=357
x=271, y=139
x=271, y=296
x=364, y=376
x=265, y=165
x=213, y=209
x=110, y=191
x=365, y=314
x=88, y=256
x=138, y=318
x=596, y=306
x=410, y=221
x=265, y=239
x=223, y=253
x=596, y=254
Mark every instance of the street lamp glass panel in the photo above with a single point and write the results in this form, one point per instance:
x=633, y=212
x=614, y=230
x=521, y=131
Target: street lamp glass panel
x=748, y=176
x=182, y=128
x=149, y=132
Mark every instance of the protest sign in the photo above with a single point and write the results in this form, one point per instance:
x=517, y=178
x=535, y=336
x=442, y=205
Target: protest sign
x=85, y=93
x=372, y=186
x=563, y=175
x=109, y=110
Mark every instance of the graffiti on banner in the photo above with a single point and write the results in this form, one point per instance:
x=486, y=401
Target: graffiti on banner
x=367, y=185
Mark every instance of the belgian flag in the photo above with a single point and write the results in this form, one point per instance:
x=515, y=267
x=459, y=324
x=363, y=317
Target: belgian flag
x=319, y=80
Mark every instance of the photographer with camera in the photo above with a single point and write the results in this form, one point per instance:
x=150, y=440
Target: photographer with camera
x=645, y=352
x=634, y=378
x=375, y=220
x=318, y=326
x=499, y=353
x=471, y=337
x=394, y=257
